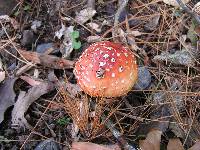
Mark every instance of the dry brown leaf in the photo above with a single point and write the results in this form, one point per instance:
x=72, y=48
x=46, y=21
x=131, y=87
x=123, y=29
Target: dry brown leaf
x=175, y=144
x=25, y=100
x=196, y=146
x=92, y=146
x=174, y=3
x=152, y=141
x=47, y=60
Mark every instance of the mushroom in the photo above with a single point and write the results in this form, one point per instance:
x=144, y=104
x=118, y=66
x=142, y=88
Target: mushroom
x=106, y=69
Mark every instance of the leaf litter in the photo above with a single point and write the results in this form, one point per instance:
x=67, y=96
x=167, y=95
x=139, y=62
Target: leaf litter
x=166, y=101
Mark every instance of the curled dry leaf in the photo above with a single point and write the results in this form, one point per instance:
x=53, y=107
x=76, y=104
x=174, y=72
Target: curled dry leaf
x=174, y=3
x=25, y=100
x=175, y=144
x=47, y=60
x=152, y=141
x=84, y=15
x=7, y=95
x=92, y=146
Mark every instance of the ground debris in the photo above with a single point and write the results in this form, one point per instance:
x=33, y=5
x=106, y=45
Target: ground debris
x=92, y=146
x=183, y=57
x=25, y=99
x=174, y=2
x=7, y=95
x=47, y=60
x=85, y=15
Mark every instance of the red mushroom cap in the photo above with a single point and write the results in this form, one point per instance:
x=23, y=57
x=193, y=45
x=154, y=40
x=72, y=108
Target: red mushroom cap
x=106, y=69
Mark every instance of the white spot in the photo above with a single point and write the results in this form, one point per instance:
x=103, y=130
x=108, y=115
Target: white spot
x=82, y=68
x=86, y=73
x=94, y=87
x=120, y=69
x=101, y=52
x=126, y=62
x=118, y=54
x=126, y=54
x=101, y=64
x=113, y=75
x=112, y=59
x=90, y=65
x=97, y=49
x=106, y=56
x=113, y=54
x=103, y=44
x=107, y=69
x=88, y=79
x=135, y=62
x=109, y=48
x=122, y=81
x=131, y=74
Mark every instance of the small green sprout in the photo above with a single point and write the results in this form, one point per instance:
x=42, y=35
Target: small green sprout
x=74, y=36
x=63, y=121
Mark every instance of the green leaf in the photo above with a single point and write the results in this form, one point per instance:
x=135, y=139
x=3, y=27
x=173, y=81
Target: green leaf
x=16, y=13
x=75, y=34
x=63, y=121
x=76, y=45
x=27, y=7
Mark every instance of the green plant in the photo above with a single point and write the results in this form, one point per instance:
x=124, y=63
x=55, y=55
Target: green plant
x=75, y=43
x=63, y=121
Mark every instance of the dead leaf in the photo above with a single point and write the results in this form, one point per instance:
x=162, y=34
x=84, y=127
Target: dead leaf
x=84, y=15
x=92, y=146
x=196, y=146
x=182, y=57
x=152, y=24
x=175, y=144
x=7, y=95
x=94, y=26
x=47, y=60
x=30, y=81
x=174, y=3
x=152, y=141
x=25, y=100
x=92, y=39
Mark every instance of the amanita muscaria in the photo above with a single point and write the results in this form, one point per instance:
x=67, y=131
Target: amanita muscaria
x=106, y=69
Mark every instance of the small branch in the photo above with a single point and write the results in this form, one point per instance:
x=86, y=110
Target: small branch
x=187, y=10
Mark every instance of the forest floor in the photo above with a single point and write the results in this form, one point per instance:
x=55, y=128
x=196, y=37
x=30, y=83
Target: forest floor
x=41, y=104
